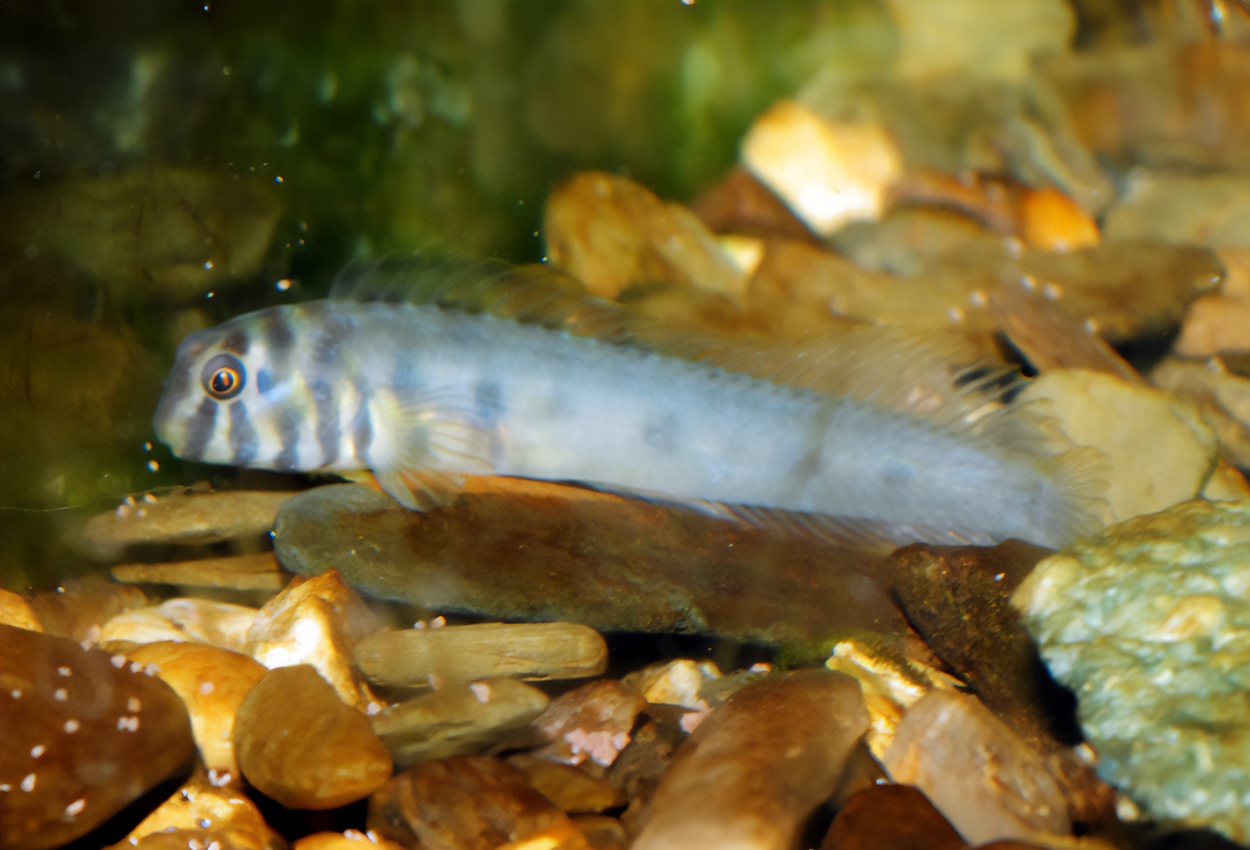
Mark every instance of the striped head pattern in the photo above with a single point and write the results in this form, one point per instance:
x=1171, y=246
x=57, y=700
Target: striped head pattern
x=263, y=390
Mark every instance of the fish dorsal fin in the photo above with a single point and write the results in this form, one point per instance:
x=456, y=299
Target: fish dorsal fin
x=528, y=294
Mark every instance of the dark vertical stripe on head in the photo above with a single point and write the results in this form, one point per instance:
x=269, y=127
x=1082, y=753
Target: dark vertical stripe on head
x=279, y=336
x=244, y=441
x=327, y=421
x=288, y=421
x=200, y=430
x=236, y=342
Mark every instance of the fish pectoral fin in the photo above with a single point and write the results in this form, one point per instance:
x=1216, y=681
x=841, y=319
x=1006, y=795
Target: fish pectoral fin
x=420, y=489
x=439, y=439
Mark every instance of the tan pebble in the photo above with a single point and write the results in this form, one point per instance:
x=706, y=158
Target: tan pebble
x=569, y=788
x=16, y=611
x=1158, y=450
x=298, y=743
x=352, y=839
x=466, y=653
x=203, y=812
x=829, y=173
x=212, y=683
x=591, y=722
x=675, y=682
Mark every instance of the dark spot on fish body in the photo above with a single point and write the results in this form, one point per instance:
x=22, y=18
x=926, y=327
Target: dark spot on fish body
x=279, y=336
x=897, y=472
x=661, y=433
x=331, y=331
x=288, y=422
x=327, y=421
x=244, y=441
x=404, y=377
x=488, y=399
x=236, y=342
x=200, y=429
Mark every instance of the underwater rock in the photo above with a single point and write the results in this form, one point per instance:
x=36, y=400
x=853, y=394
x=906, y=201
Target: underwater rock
x=212, y=682
x=16, y=611
x=465, y=653
x=184, y=519
x=298, y=743
x=1129, y=424
x=958, y=599
x=1220, y=322
x=1149, y=623
x=1221, y=397
x=84, y=735
x=984, y=779
x=351, y=839
x=677, y=682
x=316, y=621
x=457, y=718
x=755, y=769
x=638, y=769
x=1211, y=210
x=547, y=552
x=79, y=605
x=570, y=789
x=238, y=572
x=182, y=619
x=200, y=813
x=170, y=232
x=592, y=721
x=891, y=817
x=740, y=204
x=828, y=173
x=468, y=802
x=611, y=233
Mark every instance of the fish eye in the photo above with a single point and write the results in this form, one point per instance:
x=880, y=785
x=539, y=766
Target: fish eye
x=223, y=377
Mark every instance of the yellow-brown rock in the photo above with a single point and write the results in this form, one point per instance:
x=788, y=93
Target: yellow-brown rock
x=238, y=572
x=16, y=611
x=204, y=812
x=610, y=233
x=212, y=683
x=82, y=735
x=78, y=605
x=469, y=802
x=351, y=839
x=183, y=619
x=1158, y=450
x=315, y=621
x=298, y=743
x=570, y=789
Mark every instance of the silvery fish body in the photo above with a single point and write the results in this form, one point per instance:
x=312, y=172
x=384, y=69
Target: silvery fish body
x=419, y=394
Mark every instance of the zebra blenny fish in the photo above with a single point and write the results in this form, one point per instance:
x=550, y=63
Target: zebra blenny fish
x=866, y=432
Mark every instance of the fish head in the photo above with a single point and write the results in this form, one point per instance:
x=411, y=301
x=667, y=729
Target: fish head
x=226, y=395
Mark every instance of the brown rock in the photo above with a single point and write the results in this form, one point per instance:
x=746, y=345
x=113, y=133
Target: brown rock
x=239, y=572
x=16, y=611
x=640, y=766
x=593, y=721
x=466, y=653
x=466, y=803
x=202, y=811
x=79, y=604
x=569, y=788
x=212, y=683
x=182, y=619
x=83, y=735
x=316, y=621
x=976, y=771
x=610, y=233
x=297, y=742
x=457, y=718
x=957, y=599
x=602, y=832
x=184, y=519
x=351, y=839
x=753, y=771
x=743, y=205
x=891, y=817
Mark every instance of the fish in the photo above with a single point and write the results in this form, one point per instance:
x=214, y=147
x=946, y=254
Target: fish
x=419, y=371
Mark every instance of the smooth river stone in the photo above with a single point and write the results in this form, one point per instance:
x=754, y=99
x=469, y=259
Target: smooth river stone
x=298, y=743
x=82, y=734
x=535, y=551
x=753, y=772
x=465, y=653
